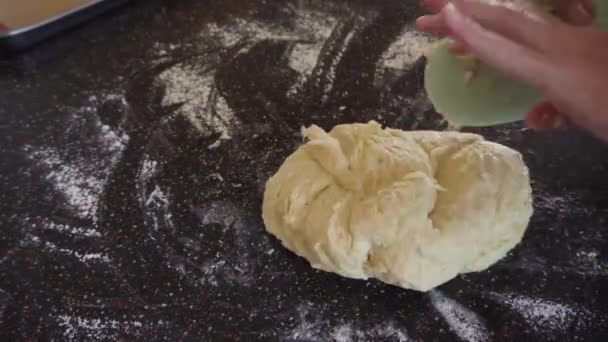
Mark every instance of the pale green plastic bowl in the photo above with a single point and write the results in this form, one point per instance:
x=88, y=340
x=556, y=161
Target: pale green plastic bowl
x=489, y=98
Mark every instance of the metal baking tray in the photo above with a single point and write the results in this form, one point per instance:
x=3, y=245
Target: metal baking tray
x=24, y=23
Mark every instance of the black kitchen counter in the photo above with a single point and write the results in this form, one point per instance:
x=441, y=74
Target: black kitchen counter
x=133, y=156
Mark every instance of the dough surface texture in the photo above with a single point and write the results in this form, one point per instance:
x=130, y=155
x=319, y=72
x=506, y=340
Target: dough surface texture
x=413, y=209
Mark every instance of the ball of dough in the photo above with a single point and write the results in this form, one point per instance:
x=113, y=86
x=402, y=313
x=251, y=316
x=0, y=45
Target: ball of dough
x=413, y=209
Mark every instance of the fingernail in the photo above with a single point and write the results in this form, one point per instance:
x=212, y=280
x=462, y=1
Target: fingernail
x=420, y=24
x=583, y=14
x=449, y=8
x=452, y=15
x=559, y=122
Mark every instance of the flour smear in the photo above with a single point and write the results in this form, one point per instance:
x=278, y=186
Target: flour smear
x=464, y=322
x=313, y=322
x=543, y=315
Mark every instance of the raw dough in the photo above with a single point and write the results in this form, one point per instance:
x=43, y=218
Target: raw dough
x=413, y=209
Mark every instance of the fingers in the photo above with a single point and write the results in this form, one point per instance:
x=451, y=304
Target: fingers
x=575, y=12
x=545, y=117
x=513, y=59
x=434, y=24
x=537, y=31
x=434, y=6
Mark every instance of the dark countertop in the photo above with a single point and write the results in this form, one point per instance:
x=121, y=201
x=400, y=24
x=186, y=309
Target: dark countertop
x=133, y=155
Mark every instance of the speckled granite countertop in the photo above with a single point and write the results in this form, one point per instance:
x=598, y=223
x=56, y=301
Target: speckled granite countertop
x=133, y=155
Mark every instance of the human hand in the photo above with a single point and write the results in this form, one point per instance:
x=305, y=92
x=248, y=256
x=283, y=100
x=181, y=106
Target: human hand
x=565, y=59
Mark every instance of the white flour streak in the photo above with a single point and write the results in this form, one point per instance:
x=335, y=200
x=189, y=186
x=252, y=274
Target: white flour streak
x=589, y=263
x=80, y=190
x=223, y=266
x=244, y=30
x=95, y=329
x=211, y=270
x=194, y=88
x=157, y=196
x=543, y=315
x=304, y=57
x=79, y=174
x=81, y=256
x=157, y=200
x=389, y=330
x=318, y=26
x=306, y=328
x=410, y=46
x=86, y=257
x=223, y=212
x=310, y=30
x=148, y=169
x=348, y=333
x=314, y=325
x=464, y=322
x=76, y=231
x=343, y=333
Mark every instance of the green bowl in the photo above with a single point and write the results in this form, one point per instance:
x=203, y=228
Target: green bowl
x=489, y=98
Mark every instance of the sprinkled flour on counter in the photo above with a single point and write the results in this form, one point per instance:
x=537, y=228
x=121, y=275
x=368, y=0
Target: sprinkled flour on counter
x=314, y=325
x=77, y=328
x=464, y=322
x=406, y=50
x=195, y=88
x=68, y=229
x=349, y=332
x=544, y=315
x=310, y=29
x=76, y=173
x=81, y=190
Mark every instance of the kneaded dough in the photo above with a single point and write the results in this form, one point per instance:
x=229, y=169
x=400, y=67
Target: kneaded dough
x=413, y=209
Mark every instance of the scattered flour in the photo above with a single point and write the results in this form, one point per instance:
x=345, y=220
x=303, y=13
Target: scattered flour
x=307, y=327
x=77, y=170
x=317, y=27
x=309, y=32
x=211, y=271
x=157, y=196
x=227, y=266
x=86, y=257
x=68, y=229
x=80, y=190
x=308, y=25
x=148, y=169
x=83, y=257
x=154, y=198
x=588, y=262
x=77, y=175
x=195, y=88
x=560, y=205
x=464, y=322
x=348, y=333
x=313, y=325
x=77, y=328
x=406, y=50
x=544, y=315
